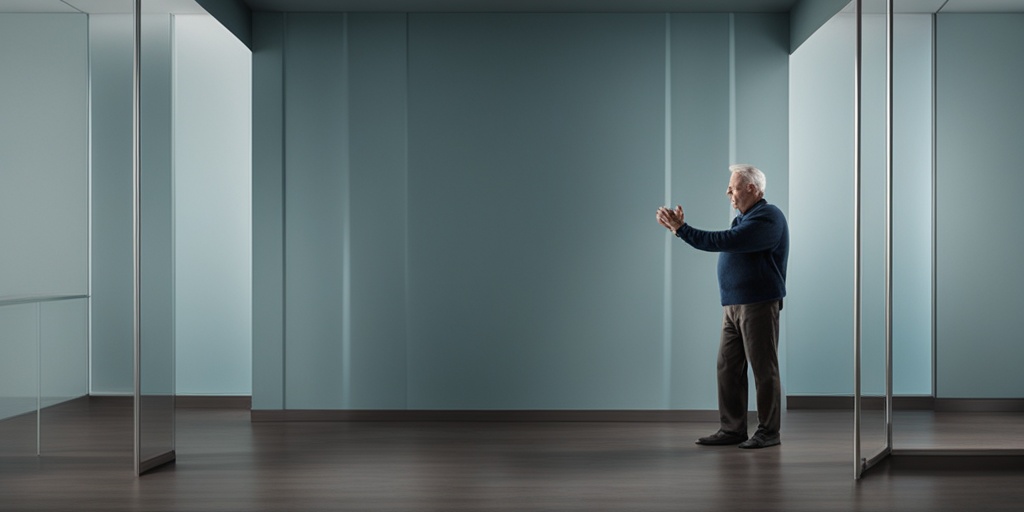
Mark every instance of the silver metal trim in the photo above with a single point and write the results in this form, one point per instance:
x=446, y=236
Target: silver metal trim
x=935, y=211
x=33, y=299
x=857, y=462
x=666, y=290
x=39, y=379
x=136, y=224
x=872, y=461
x=889, y=29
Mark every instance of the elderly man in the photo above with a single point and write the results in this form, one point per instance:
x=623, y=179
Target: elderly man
x=752, y=280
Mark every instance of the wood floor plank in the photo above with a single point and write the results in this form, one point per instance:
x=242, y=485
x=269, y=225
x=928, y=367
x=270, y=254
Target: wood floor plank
x=227, y=463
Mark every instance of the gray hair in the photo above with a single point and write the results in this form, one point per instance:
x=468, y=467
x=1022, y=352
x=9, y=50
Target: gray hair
x=751, y=175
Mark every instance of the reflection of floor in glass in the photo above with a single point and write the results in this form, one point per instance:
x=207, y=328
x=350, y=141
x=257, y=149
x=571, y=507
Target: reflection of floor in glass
x=958, y=430
x=61, y=429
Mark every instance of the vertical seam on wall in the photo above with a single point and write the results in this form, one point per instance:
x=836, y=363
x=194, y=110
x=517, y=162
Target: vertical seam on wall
x=39, y=378
x=935, y=210
x=284, y=212
x=666, y=350
x=346, y=227
x=172, y=44
x=732, y=97
x=406, y=203
x=89, y=169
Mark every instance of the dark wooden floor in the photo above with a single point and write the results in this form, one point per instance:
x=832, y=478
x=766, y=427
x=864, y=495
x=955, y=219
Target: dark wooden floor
x=227, y=463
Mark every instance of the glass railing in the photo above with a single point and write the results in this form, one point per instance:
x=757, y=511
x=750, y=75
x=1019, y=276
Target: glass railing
x=44, y=364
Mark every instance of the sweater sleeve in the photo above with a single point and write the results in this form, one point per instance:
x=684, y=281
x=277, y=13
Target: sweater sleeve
x=758, y=231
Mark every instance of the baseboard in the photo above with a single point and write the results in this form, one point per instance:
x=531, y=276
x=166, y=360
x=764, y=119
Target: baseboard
x=909, y=403
x=979, y=404
x=871, y=403
x=263, y=415
x=212, y=402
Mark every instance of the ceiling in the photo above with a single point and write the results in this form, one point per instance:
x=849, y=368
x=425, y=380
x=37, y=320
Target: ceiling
x=523, y=5
x=902, y=6
x=100, y=6
x=190, y=6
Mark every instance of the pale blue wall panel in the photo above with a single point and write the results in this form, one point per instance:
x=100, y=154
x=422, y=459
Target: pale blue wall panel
x=761, y=81
x=980, y=118
x=536, y=159
x=212, y=183
x=156, y=285
x=820, y=277
x=316, y=161
x=377, y=92
x=268, y=211
x=912, y=219
x=110, y=61
x=873, y=223
x=700, y=174
x=820, y=322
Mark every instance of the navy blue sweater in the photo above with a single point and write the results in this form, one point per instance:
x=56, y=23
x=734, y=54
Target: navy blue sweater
x=753, y=254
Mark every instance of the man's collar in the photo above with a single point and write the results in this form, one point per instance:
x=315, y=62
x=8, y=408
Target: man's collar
x=753, y=207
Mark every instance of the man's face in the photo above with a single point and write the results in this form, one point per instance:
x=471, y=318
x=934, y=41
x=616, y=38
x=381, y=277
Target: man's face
x=741, y=194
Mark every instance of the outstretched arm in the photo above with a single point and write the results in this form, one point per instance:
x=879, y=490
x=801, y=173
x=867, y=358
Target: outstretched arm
x=758, y=232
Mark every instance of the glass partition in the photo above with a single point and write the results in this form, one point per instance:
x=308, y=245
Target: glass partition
x=19, y=380
x=873, y=207
x=43, y=369
x=154, y=233
x=44, y=219
x=63, y=335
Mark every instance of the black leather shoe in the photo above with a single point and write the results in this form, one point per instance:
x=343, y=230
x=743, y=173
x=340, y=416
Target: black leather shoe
x=761, y=439
x=722, y=438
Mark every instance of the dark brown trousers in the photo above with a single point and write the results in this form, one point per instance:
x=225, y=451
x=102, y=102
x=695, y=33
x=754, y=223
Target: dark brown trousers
x=750, y=333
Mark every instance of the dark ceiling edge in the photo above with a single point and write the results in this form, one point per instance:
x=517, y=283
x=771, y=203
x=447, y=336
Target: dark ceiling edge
x=808, y=16
x=235, y=15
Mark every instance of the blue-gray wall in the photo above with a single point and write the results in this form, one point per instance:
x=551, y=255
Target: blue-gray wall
x=455, y=211
x=980, y=118
x=212, y=196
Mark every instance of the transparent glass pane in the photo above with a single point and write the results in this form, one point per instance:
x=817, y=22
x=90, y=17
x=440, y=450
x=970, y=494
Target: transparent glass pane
x=873, y=226
x=155, y=388
x=64, y=371
x=19, y=379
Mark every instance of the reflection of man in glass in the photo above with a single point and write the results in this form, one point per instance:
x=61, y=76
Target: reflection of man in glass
x=752, y=280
